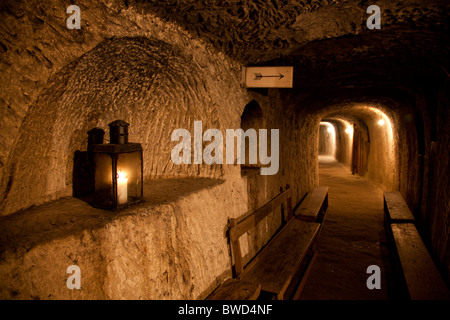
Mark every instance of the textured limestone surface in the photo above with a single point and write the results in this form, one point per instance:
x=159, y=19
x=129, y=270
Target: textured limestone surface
x=161, y=65
x=43, y=65
x=158, y=78
x=173, y=246
x=258, y=31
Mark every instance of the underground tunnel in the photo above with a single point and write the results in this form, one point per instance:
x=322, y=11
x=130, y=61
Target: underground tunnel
x=229, y=191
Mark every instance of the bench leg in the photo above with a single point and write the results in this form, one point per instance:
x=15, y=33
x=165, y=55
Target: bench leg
x=305, y=277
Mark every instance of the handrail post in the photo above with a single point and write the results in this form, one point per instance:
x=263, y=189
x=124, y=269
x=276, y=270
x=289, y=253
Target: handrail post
x=290, y=214
x=236, y=250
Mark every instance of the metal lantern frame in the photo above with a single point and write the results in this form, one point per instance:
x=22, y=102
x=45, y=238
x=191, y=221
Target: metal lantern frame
x=107, y=191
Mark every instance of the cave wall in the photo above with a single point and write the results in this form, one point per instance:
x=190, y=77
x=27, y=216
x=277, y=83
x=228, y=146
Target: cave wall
x=440, y=208
x=382, y=167
x=157, y=77
x=326, y=141
x=344, y=143
x=423, y=165
x=150, y=84
x=125, y=63
x=171, y=249
x=297, y=168
x=176, y=251
x=152, y=77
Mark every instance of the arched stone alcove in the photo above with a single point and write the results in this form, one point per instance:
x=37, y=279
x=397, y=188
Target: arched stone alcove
x=149, y=83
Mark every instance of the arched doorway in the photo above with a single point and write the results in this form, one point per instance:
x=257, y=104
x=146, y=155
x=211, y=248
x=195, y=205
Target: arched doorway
x=360, y=150
x=252, y=118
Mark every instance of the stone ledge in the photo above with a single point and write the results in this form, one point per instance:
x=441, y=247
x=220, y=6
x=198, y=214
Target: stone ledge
x=69, y=216
x=172, y=246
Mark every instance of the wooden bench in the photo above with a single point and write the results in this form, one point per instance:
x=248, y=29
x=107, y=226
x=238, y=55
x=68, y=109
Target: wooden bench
x=277, y=266
x=314, y=206
x=234, y=289
x=418, y=274
x=282, y=266
x=395, y=208
x=422, y=278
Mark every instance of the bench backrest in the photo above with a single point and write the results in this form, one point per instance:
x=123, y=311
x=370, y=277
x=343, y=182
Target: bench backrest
x=238, y=227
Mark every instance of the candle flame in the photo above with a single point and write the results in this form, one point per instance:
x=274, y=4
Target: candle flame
x=122, y=176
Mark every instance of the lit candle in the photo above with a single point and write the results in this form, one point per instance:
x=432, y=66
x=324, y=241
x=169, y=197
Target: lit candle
x=122, y=188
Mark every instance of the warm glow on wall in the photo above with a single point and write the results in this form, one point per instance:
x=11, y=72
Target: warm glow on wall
x=332, y=136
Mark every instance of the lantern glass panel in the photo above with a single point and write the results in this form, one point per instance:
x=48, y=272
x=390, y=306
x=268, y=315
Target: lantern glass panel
x=129, y=180
x=103, y=180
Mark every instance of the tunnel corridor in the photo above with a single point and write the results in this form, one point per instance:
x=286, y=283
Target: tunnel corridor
x=353, y=238
x=363, y=139
x=132, y=146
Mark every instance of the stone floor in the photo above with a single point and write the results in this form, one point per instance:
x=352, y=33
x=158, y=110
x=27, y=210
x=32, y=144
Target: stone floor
x=353, y=238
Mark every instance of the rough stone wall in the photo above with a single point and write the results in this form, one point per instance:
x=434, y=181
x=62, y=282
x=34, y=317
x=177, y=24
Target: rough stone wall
x=152, y=84
x=298, y=144
x=345, y=143
x=382, y=166
x=63, y=82
x=423, y=151
x=408, y=155
x=255, y=31
x=326, y=141
x=171, y=249
x=439, y=207
x=148, y=83
x=266, y=187
x=157, y=77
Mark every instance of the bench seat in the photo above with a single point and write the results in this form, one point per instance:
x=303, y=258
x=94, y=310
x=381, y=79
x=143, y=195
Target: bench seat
x=421, y=276
x=234, y=289
x=315, y=204
x=280, y=269
x=395, y=208
x=276, y=265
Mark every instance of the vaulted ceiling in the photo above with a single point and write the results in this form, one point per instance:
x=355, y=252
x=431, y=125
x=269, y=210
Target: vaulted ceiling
x=325, y=39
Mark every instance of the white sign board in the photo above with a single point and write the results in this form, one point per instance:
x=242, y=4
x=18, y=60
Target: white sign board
x=267, y=77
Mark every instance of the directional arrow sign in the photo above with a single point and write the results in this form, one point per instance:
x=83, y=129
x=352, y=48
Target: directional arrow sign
x=267, y=77
x=259, y=76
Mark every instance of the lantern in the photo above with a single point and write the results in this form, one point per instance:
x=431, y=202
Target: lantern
x=118, y=170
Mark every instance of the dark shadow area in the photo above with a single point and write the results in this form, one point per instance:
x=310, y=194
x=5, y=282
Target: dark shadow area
x=83, y=174
x=83, y=179
x=394, y=278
